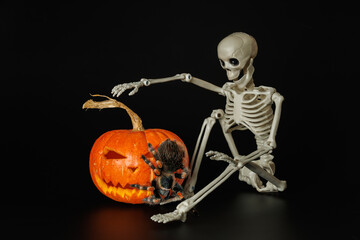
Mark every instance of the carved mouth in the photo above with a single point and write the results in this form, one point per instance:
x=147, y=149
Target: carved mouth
x=118, y=191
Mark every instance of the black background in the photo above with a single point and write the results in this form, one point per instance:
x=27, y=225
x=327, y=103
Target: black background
x=56, y=54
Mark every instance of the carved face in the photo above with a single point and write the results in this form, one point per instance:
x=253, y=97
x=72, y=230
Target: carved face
x=234, y=53
x=116, y=163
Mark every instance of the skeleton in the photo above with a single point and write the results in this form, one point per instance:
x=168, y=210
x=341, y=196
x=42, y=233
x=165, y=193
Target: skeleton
x=247, y=108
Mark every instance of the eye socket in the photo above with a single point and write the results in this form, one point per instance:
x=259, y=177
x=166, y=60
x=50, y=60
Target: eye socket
x=222, y=63
x=234, y=61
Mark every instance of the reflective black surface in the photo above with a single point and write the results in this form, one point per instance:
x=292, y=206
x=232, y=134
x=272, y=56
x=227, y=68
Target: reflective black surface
x=234, y=210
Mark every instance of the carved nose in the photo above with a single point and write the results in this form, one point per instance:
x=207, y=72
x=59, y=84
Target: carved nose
x=133, y=169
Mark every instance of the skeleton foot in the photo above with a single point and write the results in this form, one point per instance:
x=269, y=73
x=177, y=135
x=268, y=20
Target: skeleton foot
x=254, y=180
x=250, y=178
x=178, y=214
x=169, y=217
x=269, y=188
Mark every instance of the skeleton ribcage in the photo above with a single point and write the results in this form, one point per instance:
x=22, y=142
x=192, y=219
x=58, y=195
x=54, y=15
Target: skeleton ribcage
x=250, y=110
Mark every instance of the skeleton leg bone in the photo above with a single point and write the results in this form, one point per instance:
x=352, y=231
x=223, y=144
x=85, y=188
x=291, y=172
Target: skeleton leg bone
x=267, y=164
x=181, y=210
x=199, y=153
x=251, y=168
x=243, y=160
x=252, y=163
x=242, y=163
x=185, y=206
x=197, y=157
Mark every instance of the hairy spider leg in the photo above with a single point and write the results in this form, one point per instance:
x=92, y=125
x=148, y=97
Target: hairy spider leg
x=159, y=163
x=152, y=200
x=185, y=172
x=156, y=170
x=155, y=198
x=148, y=188
x=178, y=190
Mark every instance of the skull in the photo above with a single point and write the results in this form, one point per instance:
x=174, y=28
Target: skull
x=235, y=52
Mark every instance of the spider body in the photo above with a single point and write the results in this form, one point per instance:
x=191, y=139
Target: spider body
x=169, y=158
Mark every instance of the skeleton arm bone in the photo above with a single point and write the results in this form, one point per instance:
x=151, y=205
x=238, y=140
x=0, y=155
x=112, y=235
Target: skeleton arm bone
x=203, y=84
x=278, y=99
x=185, y=77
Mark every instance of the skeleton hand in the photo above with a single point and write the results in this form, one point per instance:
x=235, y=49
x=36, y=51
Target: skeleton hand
x=119, y=89
x=271, y=143
x=219, y=156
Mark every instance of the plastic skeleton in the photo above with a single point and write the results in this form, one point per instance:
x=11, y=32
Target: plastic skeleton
x=247, y=108
x=168, y=159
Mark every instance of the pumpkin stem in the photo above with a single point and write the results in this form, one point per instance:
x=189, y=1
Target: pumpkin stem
x=112, y=103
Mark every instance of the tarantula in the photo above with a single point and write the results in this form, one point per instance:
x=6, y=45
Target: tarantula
x=168, y=158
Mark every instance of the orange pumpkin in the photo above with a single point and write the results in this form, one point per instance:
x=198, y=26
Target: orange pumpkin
x=115, y=158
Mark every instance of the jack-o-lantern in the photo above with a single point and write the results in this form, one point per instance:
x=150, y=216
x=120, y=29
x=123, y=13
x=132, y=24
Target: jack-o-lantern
x=115, y=158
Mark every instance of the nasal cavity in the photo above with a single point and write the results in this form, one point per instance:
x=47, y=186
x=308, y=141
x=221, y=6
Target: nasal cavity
x=114, y=155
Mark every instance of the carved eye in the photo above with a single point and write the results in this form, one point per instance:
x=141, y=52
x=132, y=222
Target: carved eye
x=222, y=63
x=234, y=61
x=111, y=154
x=114, y=155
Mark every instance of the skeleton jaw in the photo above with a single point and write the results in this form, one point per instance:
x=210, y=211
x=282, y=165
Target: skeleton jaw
x=233, y=75
x=246, y=81
x=242, y=82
